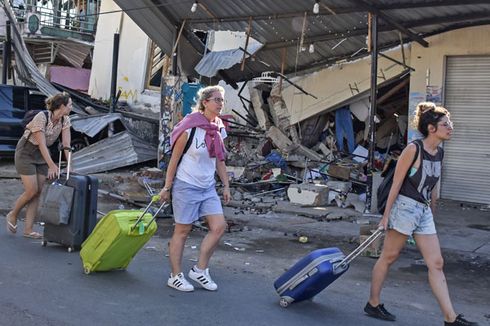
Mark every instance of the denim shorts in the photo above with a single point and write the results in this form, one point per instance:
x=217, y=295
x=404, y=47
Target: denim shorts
x=409, y=216
x=190, y=203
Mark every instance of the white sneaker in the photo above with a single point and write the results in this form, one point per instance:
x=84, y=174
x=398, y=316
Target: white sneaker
x=179, y=282
x=204, y=279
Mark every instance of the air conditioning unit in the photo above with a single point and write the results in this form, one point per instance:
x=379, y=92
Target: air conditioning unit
x=32, y=24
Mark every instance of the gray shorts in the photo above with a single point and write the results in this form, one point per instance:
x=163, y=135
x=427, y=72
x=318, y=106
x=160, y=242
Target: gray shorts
x=409, y=216
x=28, y=159
x=190, y=203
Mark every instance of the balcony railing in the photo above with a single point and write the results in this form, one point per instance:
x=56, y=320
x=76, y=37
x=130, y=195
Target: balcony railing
x=78, y=16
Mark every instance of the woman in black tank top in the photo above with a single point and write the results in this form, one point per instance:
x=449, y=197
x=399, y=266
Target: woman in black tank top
x=409, y=208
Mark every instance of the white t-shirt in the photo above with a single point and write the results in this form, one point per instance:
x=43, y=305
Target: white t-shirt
x=197, y=167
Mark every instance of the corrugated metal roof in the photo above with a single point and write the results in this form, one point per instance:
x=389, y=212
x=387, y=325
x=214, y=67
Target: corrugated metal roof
x=279, y=25
x=120, y=150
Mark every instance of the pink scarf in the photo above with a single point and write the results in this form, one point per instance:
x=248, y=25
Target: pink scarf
x=214, y=142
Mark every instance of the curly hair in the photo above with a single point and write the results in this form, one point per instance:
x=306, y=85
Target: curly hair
x=427, y=113
x=54, y=102
x=206, y=93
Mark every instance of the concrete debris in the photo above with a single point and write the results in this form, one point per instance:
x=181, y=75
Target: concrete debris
x=308, y=194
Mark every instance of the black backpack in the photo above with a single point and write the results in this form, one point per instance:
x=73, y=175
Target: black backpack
x=388, y=174
x=30, y=115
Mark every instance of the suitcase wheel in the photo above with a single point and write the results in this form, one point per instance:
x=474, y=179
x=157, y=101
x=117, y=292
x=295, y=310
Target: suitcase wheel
x=283, y=302
x=70, y=249
x=86, y=270
x=44, y=243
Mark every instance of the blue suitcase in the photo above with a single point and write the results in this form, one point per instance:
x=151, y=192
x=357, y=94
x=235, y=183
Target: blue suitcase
x=315, y=272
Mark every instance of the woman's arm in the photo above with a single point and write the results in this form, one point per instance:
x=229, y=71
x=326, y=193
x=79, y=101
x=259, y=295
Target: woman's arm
x=177, y=152
x=404, y=163
x=41, y=140
x=223, y=175
x=66, y=141
x=434, y=196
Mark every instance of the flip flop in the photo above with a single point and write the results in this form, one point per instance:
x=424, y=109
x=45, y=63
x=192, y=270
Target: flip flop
x=10, y=226
x=33, y=235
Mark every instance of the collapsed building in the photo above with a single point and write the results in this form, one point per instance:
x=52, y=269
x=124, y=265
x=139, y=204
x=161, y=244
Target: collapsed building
x=300, y=87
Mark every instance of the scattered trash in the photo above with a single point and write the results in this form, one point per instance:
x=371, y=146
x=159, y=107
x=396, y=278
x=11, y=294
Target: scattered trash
x=420, y=262
x=228, y=244
x=193, y=247
x=193, y=259
x=239, y=249
x=303, y=239
x=259, y=251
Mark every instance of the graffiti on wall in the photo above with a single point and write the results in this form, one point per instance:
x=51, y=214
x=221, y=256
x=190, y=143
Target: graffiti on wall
x=171, y=103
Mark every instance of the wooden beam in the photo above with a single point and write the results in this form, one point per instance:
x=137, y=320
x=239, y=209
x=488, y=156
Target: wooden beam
x=390, y=21
x=249, y=31
x=382, y=28
x=203, y=7
x=178, y=38
x=392, y=91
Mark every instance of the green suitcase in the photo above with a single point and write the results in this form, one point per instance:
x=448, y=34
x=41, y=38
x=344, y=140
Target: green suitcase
x=117, y=238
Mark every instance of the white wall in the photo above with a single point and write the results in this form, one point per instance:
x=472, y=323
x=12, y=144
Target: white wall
x=335, y=84
x=133, y=56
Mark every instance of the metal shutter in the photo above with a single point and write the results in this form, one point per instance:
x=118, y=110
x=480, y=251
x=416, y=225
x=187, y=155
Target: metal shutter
x=466, y=169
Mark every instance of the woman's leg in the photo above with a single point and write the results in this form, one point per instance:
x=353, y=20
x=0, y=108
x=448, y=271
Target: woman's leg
x=393, y=244
x=30, y=190
x=429, y=247
x=32, y=206
x=176, y=246
x=217, y=226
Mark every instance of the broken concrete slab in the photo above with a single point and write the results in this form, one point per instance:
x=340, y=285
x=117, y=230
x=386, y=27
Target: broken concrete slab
x=235, y=172
x=321, y=213
x=258, y=106
x=308, y=194
x=283, y=143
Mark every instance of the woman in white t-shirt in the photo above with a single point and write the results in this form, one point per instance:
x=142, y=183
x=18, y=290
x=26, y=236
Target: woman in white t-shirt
x=191, y=178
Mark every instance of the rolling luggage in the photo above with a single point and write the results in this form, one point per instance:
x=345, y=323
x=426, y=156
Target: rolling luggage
x=83, y=215
x=315, y=272
x=117, y=238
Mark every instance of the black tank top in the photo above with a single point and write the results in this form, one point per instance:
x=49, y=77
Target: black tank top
x=419, y=185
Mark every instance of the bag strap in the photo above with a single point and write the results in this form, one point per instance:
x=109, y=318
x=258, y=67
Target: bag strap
x=189, y=140
x=188, y=143
x=417, y=152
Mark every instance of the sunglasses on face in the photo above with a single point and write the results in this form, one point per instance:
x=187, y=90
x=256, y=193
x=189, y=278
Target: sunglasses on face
x=447, y=124
x=217, y=100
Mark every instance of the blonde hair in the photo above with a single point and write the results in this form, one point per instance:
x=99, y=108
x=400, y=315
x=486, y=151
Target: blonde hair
x=205, y=94
x=427, y=113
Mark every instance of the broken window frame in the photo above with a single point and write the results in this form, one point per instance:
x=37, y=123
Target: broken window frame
x=157, y=62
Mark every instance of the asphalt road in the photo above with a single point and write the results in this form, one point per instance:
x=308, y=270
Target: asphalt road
x=46, y=286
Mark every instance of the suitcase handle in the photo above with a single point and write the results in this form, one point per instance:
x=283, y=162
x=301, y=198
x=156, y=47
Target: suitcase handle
x=68, y=164
x=154, y=199
x=350, y=257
